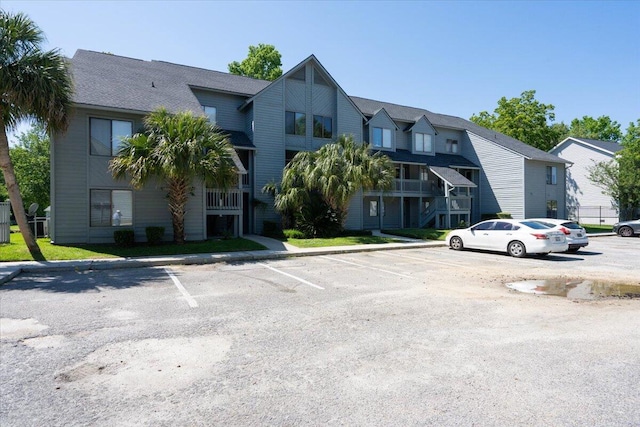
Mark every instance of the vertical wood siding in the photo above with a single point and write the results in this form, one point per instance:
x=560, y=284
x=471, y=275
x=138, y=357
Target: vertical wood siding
x=502, y=181
x=268, y=116
x=227, y=115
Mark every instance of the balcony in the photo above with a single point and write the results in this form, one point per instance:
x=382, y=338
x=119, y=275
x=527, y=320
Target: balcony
x=417, y=187
x=224, y=200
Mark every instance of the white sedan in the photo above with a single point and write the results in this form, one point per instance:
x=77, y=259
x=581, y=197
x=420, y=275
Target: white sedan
x=516, y=237
x=576, y=234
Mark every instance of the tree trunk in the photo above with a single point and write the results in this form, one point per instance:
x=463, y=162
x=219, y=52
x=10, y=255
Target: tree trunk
x=179, y=190
x=14, y=195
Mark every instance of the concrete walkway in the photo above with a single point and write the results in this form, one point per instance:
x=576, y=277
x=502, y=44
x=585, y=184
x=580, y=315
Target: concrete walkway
x=275, y=250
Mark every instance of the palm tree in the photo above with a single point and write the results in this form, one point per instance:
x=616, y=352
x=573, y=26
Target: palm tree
x=33, y=84
x=176, y=149
x=337, y=171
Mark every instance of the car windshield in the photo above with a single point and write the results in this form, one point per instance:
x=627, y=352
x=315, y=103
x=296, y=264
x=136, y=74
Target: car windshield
x=535, y=225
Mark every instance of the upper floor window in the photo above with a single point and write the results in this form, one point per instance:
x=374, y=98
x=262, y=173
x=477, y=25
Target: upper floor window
x=322, y=127
x=106, y=135
x=552, y=175
x=295, y=123
x=452, y=146
x=211, y=113
x=423, y=143
x=382, y=137
x=111, y=208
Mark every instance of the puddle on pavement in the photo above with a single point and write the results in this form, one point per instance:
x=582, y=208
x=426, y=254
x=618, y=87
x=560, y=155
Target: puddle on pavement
x=579, y=289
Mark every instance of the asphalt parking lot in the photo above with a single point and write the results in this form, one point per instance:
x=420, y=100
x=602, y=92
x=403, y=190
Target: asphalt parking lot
x=405, y=337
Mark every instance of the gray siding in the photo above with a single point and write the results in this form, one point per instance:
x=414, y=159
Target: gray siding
x=268, y=116
x=348, y=120
x=580, y=190
x=382, y=120
x=444, y=134
x=69, y=172
x=227, y=115
x=75, y=172
x=502, y=181
x=538, y=192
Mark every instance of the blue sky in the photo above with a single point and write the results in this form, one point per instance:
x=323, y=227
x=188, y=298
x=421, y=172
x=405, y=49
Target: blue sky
x=450, y=57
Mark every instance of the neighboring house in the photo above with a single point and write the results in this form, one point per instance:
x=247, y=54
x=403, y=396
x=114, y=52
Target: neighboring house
x=585, y=201
x=448, y=169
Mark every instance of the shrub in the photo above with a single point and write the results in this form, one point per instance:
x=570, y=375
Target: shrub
x=154, y=235
x=293, y=234
x=318, y=219
x=124, y=238
x=504, y=215
x=271, y=229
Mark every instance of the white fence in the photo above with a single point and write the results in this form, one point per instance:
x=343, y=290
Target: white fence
x=5, y=222
x=593, y=214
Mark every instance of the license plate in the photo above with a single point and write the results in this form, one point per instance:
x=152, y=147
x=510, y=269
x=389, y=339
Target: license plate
x=558, y=239
x=579, y=234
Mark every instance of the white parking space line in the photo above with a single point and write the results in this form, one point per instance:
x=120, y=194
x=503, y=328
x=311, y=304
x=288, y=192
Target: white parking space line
x=192, y=302
x=367, y=266
x=292, y=276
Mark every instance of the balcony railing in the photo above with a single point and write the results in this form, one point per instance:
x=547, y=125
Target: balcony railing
x=224, y=200
x=245, y=181
x=417, y=186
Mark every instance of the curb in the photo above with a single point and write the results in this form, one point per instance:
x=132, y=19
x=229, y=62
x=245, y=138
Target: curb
x=9, y=273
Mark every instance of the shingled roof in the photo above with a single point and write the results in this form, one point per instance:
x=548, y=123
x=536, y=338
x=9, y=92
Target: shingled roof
x=610, y=147
x=110, y=81
x=411, y=114
x=123, y=83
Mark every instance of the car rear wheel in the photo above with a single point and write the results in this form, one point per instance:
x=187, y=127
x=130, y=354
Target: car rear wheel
x=516, y=249
x=625, y=231
x=456, y=243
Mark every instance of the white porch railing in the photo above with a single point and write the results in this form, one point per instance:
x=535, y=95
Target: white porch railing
x=224, y=200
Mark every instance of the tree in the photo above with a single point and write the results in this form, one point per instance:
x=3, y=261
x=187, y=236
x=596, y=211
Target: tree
x=176, y=149
x=33, y=84
x=620, y=178
x=602, y=128
x=263, y=62
x=335, y=172
x=522, y=118
x=30, y=158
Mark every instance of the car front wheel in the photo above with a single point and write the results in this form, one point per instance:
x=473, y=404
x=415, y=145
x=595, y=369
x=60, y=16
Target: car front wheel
x=516, y=249
x=625, y=231
x=456, y=243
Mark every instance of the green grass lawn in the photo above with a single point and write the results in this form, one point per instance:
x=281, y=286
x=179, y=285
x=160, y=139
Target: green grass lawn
x=17, y=250
x=597, y=228
x=340, y=241
x=419, y=233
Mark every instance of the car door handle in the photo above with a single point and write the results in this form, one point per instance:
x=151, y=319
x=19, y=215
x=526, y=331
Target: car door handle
x=509, y=234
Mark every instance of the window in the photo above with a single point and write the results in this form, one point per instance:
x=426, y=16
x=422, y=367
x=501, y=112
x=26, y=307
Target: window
x=382, y=137
x=552, y=209
x=106, y=135
x=211, y=113
x=552, y=175
x=423, y=143
x=322, y=127
x=484, y=226
x=452, y=146
x=295, y=123
x=373, y=208
x=111, y=208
